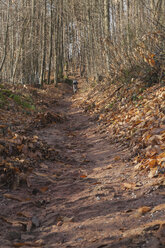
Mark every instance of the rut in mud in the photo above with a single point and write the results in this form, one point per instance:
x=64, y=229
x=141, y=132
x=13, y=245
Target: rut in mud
x=91, y=197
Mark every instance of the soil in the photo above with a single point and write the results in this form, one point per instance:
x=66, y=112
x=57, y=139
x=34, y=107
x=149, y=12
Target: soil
x=90, y=197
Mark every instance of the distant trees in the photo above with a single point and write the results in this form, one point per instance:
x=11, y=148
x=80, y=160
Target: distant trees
x=42, y=38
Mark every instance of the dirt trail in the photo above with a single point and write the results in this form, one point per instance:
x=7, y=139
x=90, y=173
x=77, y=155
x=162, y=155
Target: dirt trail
x=92, y=193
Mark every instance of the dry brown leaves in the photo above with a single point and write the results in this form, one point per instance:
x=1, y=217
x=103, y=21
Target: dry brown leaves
x=20, y=150
x=43, y=119
x=19, y=156
x=136, y=118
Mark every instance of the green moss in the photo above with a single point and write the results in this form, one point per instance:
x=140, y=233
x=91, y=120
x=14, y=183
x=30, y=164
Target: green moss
x=17, y=99
x=25, y=103
x=6, y=92
x=28, y=105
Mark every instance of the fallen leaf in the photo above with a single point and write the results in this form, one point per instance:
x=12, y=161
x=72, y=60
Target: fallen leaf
x=31, y=244
x=151, y=151
x=17, y=198
x=25, y=214
x=83, y=176
x=35, y=138
x=117, y=158
x=129, y=185
x=152, y=173
x=44, y=189
x=144, y=210
x=20, y=147
x=138, y=166
x=67, y=219
x=109, y=167
x=59, y=223
x=152, y=163
x=96, y=183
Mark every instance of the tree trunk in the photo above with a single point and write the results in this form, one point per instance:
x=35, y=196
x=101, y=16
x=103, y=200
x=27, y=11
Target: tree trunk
x=44, y=46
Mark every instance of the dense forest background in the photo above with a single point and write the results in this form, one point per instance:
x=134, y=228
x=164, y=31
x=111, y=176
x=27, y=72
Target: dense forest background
x=45, y=39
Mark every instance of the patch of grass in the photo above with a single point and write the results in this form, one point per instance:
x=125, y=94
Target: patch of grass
x=6, y=96
x=28, y=105
x=16, y=98
x=6, y=92
x=22, y=102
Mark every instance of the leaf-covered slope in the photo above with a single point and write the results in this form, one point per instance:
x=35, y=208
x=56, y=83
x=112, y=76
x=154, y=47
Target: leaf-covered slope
x=134, y=115
x=24, y=108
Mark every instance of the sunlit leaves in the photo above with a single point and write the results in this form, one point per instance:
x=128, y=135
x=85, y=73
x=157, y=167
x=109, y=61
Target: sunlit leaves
x=138, y=122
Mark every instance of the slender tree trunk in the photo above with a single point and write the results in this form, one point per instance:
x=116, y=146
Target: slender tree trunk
x=51, y=41
x=107, y=31
x=24, y=25
x=44, y=46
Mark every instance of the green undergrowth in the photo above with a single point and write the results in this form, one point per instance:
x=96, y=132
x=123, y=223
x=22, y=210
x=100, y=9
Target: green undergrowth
x=25, y=103
x=9, y=97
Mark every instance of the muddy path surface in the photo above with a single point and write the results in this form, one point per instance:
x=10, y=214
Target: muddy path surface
x=90, y=197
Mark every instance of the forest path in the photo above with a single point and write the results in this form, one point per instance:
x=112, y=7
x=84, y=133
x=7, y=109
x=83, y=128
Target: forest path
x=91, y=197
x=96, y=198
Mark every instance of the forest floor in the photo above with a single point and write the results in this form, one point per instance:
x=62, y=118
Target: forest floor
x=82, y=189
